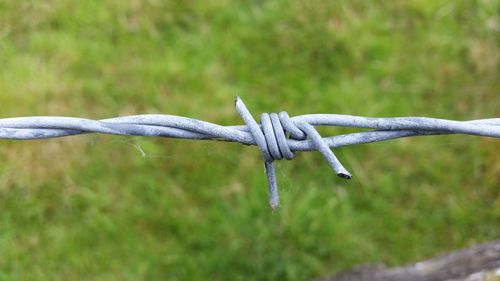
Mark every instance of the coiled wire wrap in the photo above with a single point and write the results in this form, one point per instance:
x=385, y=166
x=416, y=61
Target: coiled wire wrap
x=277, y=136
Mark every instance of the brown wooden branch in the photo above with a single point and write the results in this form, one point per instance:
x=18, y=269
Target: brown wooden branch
x=481, y=262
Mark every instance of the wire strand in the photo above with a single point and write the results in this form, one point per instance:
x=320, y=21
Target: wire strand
x=277, y=136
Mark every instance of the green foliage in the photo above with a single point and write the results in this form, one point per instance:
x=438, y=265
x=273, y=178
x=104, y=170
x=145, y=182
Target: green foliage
x=114, y=208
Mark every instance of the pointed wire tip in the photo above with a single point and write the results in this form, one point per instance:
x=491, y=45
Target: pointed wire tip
x=274, y=205
x=346, y=176
x=237, y=99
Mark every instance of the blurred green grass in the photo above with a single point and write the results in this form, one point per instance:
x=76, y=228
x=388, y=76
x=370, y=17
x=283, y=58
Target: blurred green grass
x=116, y=208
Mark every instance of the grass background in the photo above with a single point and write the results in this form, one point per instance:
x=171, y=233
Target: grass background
x=118, y=208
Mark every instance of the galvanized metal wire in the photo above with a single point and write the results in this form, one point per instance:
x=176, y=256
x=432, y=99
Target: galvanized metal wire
x=277, y=136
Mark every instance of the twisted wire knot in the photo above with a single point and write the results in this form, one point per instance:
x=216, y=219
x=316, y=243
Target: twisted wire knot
x=271, y=138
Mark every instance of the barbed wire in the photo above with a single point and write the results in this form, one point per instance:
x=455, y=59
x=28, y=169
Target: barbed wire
x=277, y=136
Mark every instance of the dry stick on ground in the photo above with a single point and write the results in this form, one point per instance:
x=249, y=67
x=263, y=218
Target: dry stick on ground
x=481, y=262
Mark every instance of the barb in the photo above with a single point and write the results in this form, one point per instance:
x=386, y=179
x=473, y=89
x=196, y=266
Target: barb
x=277, y=136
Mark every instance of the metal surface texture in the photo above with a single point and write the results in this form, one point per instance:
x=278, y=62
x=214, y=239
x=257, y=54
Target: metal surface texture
x=277, y=136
